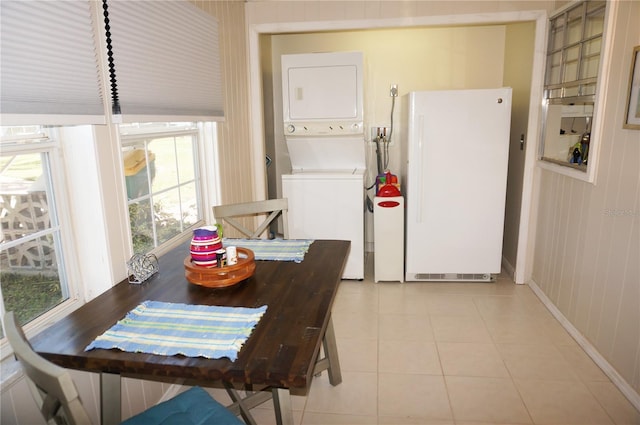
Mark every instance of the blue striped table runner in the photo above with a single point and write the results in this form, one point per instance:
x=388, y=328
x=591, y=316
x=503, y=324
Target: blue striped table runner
x=192, y=330
x=273, y=249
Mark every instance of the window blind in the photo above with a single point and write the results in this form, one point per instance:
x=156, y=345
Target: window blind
x=165, y=60
x=49, y=72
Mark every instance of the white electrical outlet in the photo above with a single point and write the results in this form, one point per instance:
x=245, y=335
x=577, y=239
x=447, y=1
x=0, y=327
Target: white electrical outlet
x=394, y=90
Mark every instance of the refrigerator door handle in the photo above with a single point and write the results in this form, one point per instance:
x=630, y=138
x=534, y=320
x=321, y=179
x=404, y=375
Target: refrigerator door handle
x=420, y=168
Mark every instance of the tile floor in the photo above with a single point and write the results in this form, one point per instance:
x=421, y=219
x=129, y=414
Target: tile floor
x=455, y=353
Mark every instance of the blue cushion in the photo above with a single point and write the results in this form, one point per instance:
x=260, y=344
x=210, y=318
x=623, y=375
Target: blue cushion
x=194, y=406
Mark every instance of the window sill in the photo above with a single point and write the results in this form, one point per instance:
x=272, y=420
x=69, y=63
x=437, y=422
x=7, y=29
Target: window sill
x=11, y=372
x=578, y=172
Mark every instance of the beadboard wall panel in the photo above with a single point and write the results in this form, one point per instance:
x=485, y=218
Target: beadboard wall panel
x=587, y=250
x=234, y=138
x=235, y=147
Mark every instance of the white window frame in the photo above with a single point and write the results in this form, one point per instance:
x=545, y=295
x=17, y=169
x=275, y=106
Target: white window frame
x=597, y=125
x=54, y=149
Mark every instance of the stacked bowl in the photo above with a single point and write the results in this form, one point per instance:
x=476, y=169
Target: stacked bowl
x=204, y=244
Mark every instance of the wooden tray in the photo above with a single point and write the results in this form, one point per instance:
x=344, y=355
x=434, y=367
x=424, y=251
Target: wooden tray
x=221, y=277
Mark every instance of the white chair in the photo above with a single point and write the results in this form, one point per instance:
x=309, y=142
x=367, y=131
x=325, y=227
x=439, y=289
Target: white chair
x=57, y=397
x=273, y=207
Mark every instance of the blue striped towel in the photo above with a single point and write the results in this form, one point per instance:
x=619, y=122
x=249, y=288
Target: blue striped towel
x=274, y=249
x=192, y=330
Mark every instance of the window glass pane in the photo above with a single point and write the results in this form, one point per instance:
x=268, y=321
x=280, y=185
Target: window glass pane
x=189, y=199
x=168, y=212
x=164, y=151
x=590, y=58
x=571, y=64
x=594, y=24
x=186, y=169
x=163, y=190
x=553, y=72
x=589, y=89
x=574, y=27
x=556, y=37
x=30, y=239
x=142, y=228
x=139, y=167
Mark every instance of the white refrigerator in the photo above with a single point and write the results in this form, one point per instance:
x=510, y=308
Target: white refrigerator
x=455, y=155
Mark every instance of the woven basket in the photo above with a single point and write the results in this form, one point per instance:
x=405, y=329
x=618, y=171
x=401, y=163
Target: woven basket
x=221, y=277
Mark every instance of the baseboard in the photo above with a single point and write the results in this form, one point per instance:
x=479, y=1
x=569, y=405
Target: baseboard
x=627, y=390
x=508, y=268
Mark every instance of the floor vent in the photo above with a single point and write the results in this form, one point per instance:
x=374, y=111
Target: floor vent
x=455, y=277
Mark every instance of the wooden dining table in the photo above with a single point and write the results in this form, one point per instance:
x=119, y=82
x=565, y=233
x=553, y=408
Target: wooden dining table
x=280, y=357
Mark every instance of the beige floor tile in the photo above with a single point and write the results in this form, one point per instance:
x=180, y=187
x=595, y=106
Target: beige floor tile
x=459, y=329
x=615, y=403
x=503, y=305
x=356, y=395
x=516, y=330
x=356, y=297
x=492, y=400
x=483, y=423
x=362, y=325
x=451, y=305
x=582, y=364
x=408, y=420
x=561, y=402
x=471, y=359
x=529, y=361
x=413, y=396
x=405, y=327
x=358, y=355
x=311, y=418
x=403, y=299
x=499, y=287
x=419, y=357
x=264, y=416
x=556, y=333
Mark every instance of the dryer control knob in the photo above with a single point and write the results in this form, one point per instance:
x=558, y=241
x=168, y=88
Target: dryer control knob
x=291, y=128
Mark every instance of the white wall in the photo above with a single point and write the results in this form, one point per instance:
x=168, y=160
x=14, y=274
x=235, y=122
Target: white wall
x=414, y=58
x=518, y=67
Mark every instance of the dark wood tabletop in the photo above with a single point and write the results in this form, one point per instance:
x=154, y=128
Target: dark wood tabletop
x=281, y=351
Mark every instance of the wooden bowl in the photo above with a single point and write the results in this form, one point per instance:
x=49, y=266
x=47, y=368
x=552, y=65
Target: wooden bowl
x=221, y=277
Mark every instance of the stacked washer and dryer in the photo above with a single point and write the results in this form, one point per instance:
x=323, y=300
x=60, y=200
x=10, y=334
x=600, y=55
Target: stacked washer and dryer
x=324, y=131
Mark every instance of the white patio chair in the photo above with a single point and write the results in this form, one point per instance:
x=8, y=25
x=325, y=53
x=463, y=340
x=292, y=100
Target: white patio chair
x=57, y=396
x=231, y=213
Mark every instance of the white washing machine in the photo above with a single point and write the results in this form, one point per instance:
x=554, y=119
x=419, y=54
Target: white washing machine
x=328, y=204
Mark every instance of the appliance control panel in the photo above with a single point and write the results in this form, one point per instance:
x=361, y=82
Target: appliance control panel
x=340, y=128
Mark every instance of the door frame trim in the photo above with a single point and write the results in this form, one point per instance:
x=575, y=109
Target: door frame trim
x=528, y=207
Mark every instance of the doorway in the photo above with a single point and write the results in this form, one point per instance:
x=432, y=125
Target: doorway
x=530, y=25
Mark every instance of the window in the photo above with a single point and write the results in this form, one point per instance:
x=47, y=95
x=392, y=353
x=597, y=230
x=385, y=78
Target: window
x=162, y=181
x=50, y=208
x=571, y=81
x=32, y=275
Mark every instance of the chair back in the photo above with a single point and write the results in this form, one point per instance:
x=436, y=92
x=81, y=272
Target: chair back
x=273, y=207
x=51, y=386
